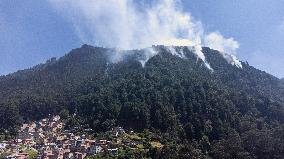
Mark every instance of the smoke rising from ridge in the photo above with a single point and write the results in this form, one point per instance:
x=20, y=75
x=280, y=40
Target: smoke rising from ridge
x=125, y=24
x=216, y=41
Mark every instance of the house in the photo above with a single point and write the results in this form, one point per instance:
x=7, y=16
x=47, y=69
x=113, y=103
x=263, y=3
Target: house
x=130, y=143
x=48, y=154
x=91, y=150
x=114, y=151
x=98, y=149
x=18, y=141
x=60, y=126
x=3, y=145
x=59, y=153
x=27, y=141
x=118, y=131
x=102, y=142
x=19, y=156
x=22, y=155
x=79, y=155
x=24, y=128
x=56, y=118
x=68, y=155
x=66, y=145
x=91, y=144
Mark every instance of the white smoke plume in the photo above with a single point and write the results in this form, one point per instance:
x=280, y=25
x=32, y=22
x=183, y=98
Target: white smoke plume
x=216, y=41
x=128, y=24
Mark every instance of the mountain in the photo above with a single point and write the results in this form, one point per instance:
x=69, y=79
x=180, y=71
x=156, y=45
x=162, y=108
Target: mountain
x=223, y=111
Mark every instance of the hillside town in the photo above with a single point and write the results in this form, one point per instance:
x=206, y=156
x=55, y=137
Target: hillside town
x=47, y=139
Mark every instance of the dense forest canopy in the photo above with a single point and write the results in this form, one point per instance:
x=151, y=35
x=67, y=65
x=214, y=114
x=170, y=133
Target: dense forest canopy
x=229, y=112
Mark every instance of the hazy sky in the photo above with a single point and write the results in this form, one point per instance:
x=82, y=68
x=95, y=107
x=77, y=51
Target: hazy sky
x=33, y=31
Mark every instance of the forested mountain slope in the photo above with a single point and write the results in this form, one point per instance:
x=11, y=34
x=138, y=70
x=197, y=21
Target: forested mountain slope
x=229, y=112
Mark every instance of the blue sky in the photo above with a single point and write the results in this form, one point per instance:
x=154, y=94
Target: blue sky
x=33, y=31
